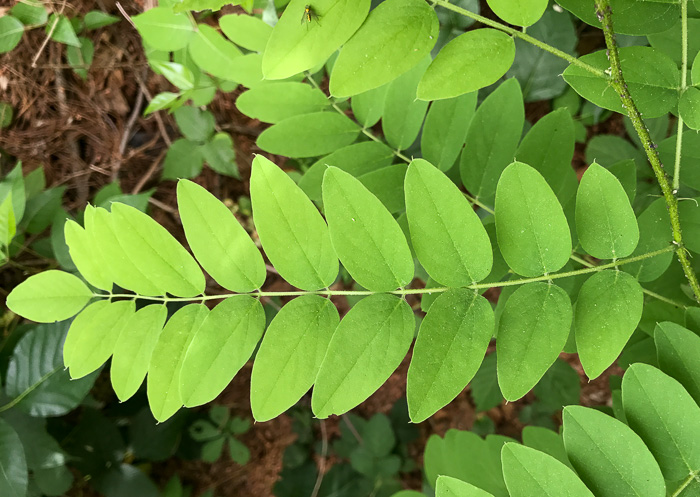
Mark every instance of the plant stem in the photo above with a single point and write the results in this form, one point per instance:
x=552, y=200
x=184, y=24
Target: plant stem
x=523, y=36
x=684, y=85
x=685, y=483
x=402, y=292
x=617, y=81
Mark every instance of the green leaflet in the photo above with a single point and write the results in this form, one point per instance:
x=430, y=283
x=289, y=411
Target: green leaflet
x=154, y=251
x=221, y=346
x=530, y=472
x=533, y=233
x=398, y=34
x=93, y=335
x=133, y=349
x=631, y=17
x=166, y=362
x=605, y=222
x=356, y=159
x=403, y=114
x=446, y=486
x=49, y=296
x=291, y=230
x=689, y=107
x=366, y=348
x=387, y=184
x=297, y=46
x=215, y=54
x=690, y=157
x=82, y=250
x=472, y=61
x=218, y=241
x=8, y=224
x=677, y=349
x=309, y=135
x=275, y=102
x=445, y=129
x=122, y=269
x=547, y=441
x=654, y=234
x=450, y=347
x=492, y=139
x=290, y=355
x=184, y=159
x=532, y=332
x=594, y=442
x=651, y=75
x=13, y=465
x=11, y=31
x=608, y=309
x=447, y=235
x=549, y=147
x=368, y=106
x=667, y=418
x=246, y=31
x=367, y=239
x=519, y=12
x=468, y=457
x=164, y=30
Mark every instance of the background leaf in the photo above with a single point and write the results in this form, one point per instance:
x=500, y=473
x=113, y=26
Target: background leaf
x=445, y=129
x=13, y=465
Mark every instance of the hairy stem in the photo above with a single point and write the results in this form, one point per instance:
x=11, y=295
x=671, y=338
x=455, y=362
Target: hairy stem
x=617, y=81
x=692, y=476
x=522, y=35
x=684, y=85
x=401, y=292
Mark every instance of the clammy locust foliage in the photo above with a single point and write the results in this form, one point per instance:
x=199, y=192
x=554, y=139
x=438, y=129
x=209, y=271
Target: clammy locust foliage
x=189, y=358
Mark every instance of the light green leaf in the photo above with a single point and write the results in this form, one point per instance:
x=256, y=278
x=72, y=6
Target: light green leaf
x=133, y=350
x=93, y=334
x=667, y=418
x=220, y=155
x=30, y=12
x=222, y=345
x=449, y=349
x=357, y=159
x=689, y=107
x=163, y=100
x=214, y=54
x=608, y=309
x=13, y=465
x=82, y=252
x=368, y=106
x=398, y=34
x=309, y=135
x=403, y=114
x=605, y=222
x=547, y=441
x=531, y=472
x=549, y=148
x=291, y=230
x=631, y=17
x=677, y=349
x=179, y=75
x=492, y=139
x=446, y=486
x=96, y=19
x=99, y=224
x=6, y=114
x=248, y=32
x=296, y=46
x=36, y=372
x=445, y=130
x=49, y=296
x=275, y=102
x=80, y=58
x=367, y=239
x=469, y=62
x=367, y=347
x=651, y=76
x=447, y=235
x=196, y=124
x=218, y=240
x=11, y=30
x=519, y=12
x=387, y=185
x=63, y=31
x=163, y=384
x=164, y=30
x=290, y=355
x=532, y=332
x=654, y=234
x=184, y=159
x=594, y=442
x=533, y=233
x=8, y=225
x=154, y=251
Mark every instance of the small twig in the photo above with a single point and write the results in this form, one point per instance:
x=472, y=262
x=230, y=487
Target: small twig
x=48, y=36
x=135, y=113
x=353, y=430
x=322, y=459
x=149, y=173
x=163, y=206
x=126, y=16
x=156, y=115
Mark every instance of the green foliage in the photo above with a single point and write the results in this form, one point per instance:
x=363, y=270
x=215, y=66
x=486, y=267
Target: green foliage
x=218, y=430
